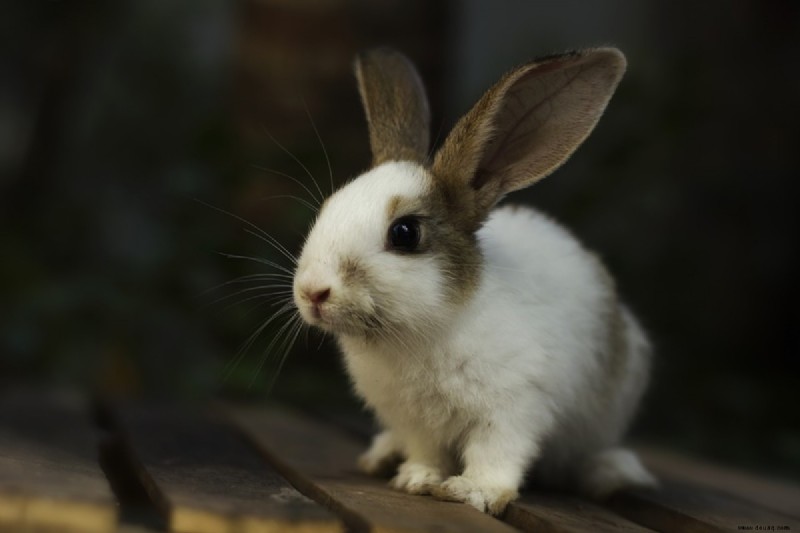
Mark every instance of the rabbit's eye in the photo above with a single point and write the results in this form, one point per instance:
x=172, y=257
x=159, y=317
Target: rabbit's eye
x=404, y=234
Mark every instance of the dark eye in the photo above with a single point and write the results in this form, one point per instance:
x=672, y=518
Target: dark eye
x=404, y=234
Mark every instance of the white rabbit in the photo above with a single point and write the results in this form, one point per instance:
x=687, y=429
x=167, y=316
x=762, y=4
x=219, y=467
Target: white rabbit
x=488, y=342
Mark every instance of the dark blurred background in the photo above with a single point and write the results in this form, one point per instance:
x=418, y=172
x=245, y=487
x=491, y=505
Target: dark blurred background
x=128, y=127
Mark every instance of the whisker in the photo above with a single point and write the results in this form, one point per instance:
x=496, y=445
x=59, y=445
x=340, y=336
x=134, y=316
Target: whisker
x=246, y=279
x=266, y=237
x=290, y=154
x=321, y=338
x=283, y=285
x=275, y=244
x=273, y=299
x=286, y=346
x=258, y=260
x=268, y=351
x=240, y=354
x=292, y=178
x=282, y=300
x=286, y=293
x=305, y=203
x=270, y=276
x=322, y=144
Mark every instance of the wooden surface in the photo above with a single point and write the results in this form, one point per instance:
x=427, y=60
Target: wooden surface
x=694, y=497
x=50, y=477
x=682, y=507
x=535, y=511
x=319, y=460
x=207, y=480
x=153, y=468
x=778, y=496
x=556, y=512
x=699, y=497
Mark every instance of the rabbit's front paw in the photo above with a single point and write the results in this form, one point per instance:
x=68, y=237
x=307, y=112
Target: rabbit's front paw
x=417, y=478
x=491, y=500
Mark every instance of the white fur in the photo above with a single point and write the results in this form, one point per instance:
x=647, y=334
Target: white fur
x=352, y=224
x=475, y=394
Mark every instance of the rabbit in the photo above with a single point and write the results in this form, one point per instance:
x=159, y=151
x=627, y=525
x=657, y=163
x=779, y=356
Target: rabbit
x=487, y=341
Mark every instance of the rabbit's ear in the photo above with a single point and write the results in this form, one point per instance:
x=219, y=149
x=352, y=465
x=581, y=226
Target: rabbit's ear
x=396, y=106
x=525, y=127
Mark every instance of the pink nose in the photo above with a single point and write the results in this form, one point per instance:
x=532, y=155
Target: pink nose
x=318, y=296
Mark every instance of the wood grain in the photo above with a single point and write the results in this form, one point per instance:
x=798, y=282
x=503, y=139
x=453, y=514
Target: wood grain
x=538, y=510
x=678, y=506
x=319, y=460
x=554, y=512
x=779, y=496
x=206, y=479
x=50, y=477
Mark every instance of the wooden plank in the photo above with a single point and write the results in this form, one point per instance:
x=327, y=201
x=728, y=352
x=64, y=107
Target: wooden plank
x=677, y=506
x=136, y=511
x=780, y=496
x=50, y=477
x=206, y=479
x=696, y=496
x=556, y=512
x=319, y=460
x=539, y=510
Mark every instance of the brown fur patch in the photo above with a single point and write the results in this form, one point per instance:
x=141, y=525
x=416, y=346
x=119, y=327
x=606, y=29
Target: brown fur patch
x=456, y=246
x=400, y=206
x=391, y=207
x=615, y=353
x=396, y=106
x=444, y=237
x=352, y=272
x=619, y=350
x=510, y=138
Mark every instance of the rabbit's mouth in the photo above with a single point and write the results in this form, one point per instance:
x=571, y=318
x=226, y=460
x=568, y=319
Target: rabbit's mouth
x=338, y=318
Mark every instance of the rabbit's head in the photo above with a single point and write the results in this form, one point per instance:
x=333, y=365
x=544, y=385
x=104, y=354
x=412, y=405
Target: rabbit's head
x=394, y=253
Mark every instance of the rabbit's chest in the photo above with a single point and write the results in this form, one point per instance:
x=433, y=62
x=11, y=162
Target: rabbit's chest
x=402, y=386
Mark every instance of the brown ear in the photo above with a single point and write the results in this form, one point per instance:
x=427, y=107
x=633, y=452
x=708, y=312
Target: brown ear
x=526, y=126
x=397, y=108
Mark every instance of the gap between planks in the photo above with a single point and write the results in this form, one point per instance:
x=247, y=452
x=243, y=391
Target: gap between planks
x=541, y=511
x=205, y=479
x=320, y=461
x=694, y=496
x=50, y=477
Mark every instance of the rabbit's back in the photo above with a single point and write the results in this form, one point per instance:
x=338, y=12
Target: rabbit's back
x=582, y=344
x=546, y=279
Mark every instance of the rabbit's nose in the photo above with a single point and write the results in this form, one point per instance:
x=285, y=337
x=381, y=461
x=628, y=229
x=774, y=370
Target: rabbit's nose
x=318, y=296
